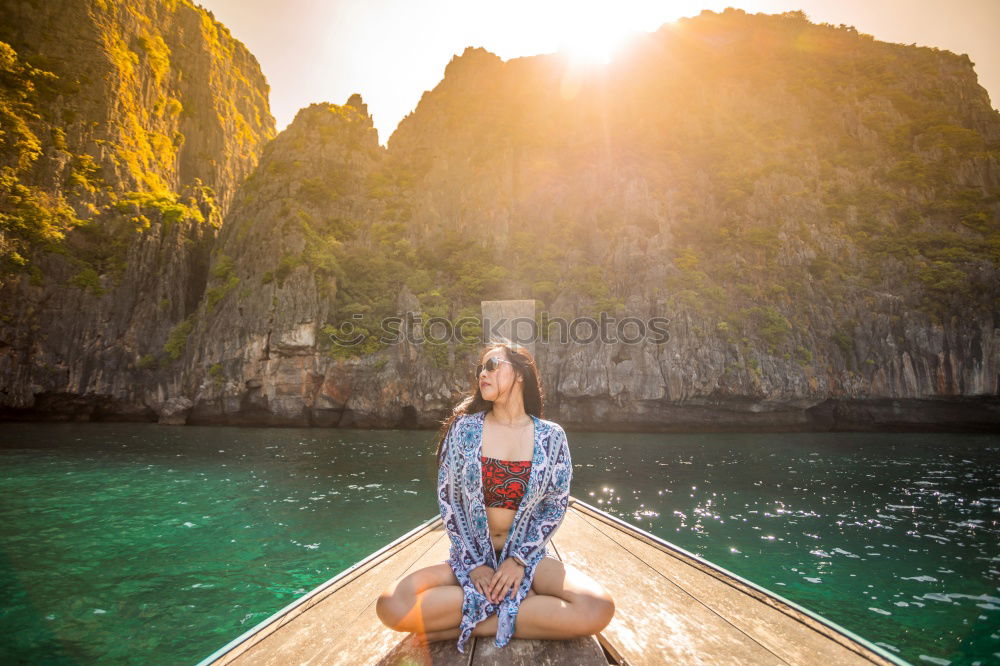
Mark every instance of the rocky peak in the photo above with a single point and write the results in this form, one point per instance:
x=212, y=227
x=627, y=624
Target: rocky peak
x=356, y=101
x=472, y=59
x=348, y=125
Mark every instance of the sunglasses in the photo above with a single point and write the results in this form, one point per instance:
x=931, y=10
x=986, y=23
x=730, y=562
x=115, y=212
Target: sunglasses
x=492, y=363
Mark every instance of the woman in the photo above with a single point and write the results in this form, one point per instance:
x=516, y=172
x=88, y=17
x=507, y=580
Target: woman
x=503, y=487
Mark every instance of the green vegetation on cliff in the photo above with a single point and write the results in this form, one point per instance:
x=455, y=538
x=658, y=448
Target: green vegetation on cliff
x=93, y=147
x=29, y=215
x=789, y=174
x=771, y=178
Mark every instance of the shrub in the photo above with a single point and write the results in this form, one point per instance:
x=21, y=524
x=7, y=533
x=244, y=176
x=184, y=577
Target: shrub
x=147, y=362
x=177, y=339
x=88, y=279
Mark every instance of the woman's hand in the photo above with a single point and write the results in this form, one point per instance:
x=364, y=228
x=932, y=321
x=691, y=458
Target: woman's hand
x=481, y=577
x=507, y=577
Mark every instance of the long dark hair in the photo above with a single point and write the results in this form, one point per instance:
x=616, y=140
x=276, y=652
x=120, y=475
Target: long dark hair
x=524, y=366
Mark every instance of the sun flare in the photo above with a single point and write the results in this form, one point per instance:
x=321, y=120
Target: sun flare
x=592, y=32
x=592, y=50
x=592, y=41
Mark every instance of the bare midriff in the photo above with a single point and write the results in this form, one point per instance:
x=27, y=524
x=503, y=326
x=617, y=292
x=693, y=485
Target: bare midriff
x=499, y=520
x=520, y=447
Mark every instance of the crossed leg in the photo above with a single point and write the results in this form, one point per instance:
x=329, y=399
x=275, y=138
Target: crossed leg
x=563, y=602
x=424, y=601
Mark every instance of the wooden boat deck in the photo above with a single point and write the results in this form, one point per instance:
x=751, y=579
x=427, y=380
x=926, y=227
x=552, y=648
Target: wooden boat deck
x=671, y=607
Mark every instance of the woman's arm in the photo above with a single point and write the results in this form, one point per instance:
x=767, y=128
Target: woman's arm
x=450, y=504
x=548, y=514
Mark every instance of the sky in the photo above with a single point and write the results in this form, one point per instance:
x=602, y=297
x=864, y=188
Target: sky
x=391, y=51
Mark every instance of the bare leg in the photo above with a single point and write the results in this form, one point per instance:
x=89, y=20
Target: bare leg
x=435, y=609
x=571, y=604
x=539, y=616
x=428, y=599
x=567, y=604
x=431, y=636
x=487, y=627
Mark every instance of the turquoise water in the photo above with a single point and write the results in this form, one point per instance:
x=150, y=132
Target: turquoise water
x=136, y=543
x=895, y=537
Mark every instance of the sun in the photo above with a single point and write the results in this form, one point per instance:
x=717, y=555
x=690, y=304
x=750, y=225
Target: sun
x=588, y=40
x=595, y=32
x=590, y=52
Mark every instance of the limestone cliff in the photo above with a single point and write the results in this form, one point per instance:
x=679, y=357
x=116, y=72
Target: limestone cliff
x=254, y=352
x=127, y=128
x=816, y=212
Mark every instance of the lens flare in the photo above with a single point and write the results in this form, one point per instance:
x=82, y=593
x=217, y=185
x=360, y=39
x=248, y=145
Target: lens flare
x=592, y=38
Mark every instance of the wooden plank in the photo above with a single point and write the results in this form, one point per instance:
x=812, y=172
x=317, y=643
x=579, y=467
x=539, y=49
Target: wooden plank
x=785, y=631
x=655, y=620
x=341, y=626
x=409, y=653
x=597, y=642
x=318, y=627
x=583, y=651
x=368, y=641
x=671, y=607
x=313, y=597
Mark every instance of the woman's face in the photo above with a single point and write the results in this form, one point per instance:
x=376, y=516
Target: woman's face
x=498, y=383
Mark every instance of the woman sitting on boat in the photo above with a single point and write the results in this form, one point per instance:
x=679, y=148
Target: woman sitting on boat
x=503, y=488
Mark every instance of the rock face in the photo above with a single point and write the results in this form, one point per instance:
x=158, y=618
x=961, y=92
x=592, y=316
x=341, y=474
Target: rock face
x=141, y=119
x=279, y=244
x=816, y=213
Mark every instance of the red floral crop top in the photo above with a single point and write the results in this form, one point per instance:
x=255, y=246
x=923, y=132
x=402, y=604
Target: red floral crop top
x=504, y=481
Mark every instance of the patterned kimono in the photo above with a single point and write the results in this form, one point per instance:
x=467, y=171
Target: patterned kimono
x=463, y=511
